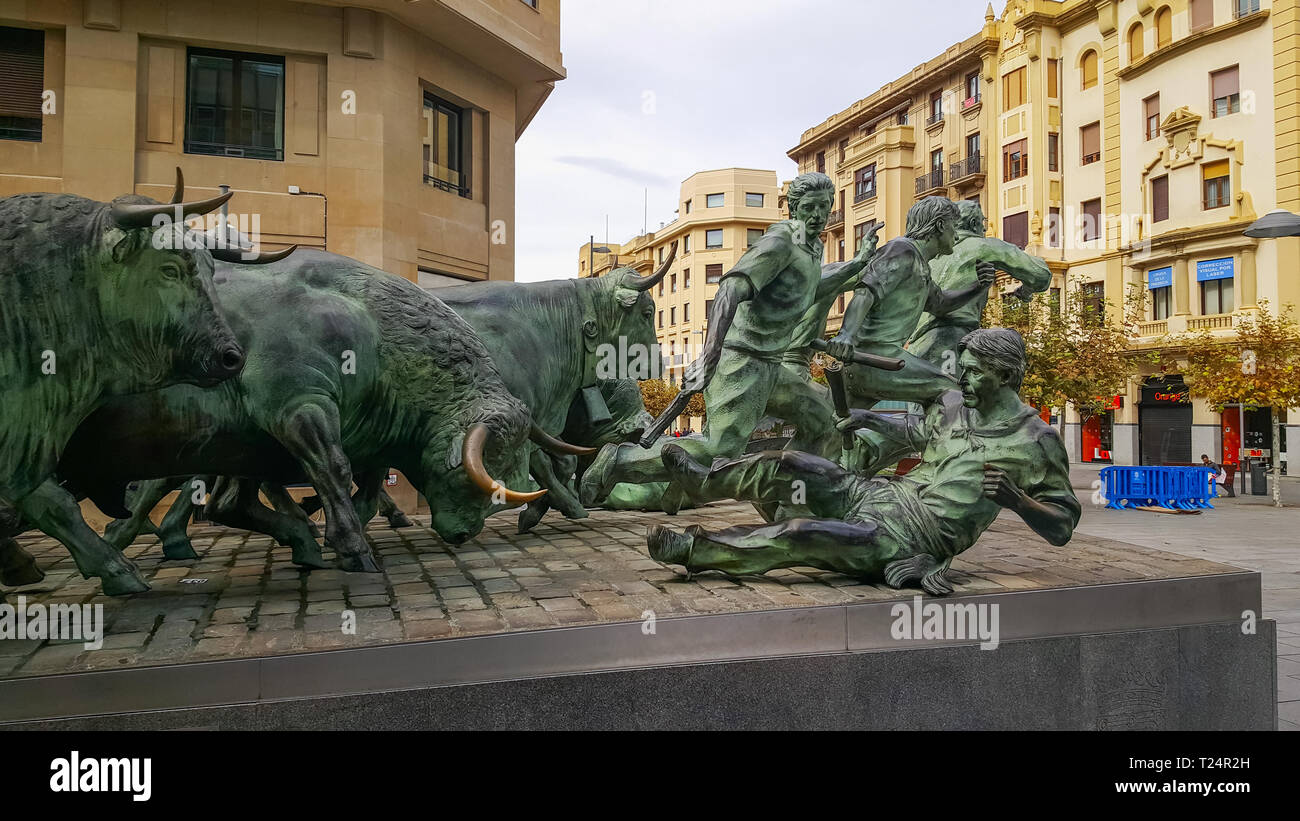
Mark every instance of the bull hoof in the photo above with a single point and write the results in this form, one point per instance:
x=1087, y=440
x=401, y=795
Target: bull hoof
x=20, y=568
x=123, y=582
x=309, y=558
x=359, y=563
x=179, y=549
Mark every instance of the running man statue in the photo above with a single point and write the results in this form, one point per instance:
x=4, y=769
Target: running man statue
x=982, y=450
x=757, y=307
x=937, y=336
x=886, y=307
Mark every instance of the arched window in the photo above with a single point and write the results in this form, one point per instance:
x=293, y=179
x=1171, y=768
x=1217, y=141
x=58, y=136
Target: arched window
x=1135, y=37
x=1164, y=27
x=1088, y=67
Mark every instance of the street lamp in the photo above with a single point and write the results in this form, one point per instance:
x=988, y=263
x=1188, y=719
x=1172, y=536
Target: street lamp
x=591, y=254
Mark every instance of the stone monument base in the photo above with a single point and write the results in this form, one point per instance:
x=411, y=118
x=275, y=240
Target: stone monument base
x=572, y=627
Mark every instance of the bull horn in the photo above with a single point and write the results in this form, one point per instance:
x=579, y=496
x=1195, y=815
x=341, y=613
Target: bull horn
x=646, y=283
x=128, y=215
x=260, y=258
x=178, y=193
x=471, y=457
x=557, y=447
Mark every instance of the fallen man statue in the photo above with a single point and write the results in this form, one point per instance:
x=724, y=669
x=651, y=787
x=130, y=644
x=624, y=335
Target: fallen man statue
x=982, y=450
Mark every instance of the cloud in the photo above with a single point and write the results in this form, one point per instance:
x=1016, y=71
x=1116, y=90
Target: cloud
x=614, y=168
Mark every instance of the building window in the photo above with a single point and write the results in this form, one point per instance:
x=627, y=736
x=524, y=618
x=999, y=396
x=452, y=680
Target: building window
x=1164, y=27
x=1200, y=14
x=1088, y=69
x=936, y=107
x=1015, y=229
x=972, y=89
x=1053, y=79
x=821, y=162
x=859, y=234
x=1054, y=227
x=708, y=309
x=1241, y=8
x=688, y=206
x=973, y=145
x=1013, y=89
x=864, y=183
x=661, y=287
x=1053, y=152
x=844, y=149
x=713, y=238
x=753, y=200
x=234, y=105
x=1160, y=303
x=1225, y=92
x=686, y=312
x=752, y=235
x=686, y=243
x=530, y=3
x=1090, y=220
x=661, y=318
x=446, y=145
x=1135, y=38
x=841, y=259
x=1090, y=143
x=1217, y=184
x=715, y=200
x=713, y=274
x=1216, y=297
x=686, y=279
x=902, y=118
x=1160, y=198
x=1015, y=161
x=22, y=82
x=1151, y=114
x=672, y=288
x=672, y=315
x=839, y=303
x=1094, y=302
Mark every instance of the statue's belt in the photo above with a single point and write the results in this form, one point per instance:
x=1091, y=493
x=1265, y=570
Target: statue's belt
x=771, y=357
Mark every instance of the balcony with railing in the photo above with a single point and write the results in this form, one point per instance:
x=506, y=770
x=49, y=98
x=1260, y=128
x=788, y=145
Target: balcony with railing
x=1089, y=159
x=929, y=182
x=836, y=218
x=934, y=119
x=1212, y=322
x=1158, y=328
x=965, y=169
x=864, y=193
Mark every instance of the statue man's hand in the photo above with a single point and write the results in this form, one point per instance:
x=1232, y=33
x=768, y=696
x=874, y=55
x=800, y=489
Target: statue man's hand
x=1024, y=293
x=699, y=373
x=870, y=240
x=997, y=485
x=856, y=420
x=986, y=272
x=843, y=351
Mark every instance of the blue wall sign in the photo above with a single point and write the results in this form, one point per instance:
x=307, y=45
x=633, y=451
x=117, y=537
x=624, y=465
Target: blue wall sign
x=1160, y=278
x=1209, y=269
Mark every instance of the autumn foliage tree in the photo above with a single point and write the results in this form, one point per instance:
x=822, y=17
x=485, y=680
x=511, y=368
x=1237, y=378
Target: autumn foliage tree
x=1258, y=368
x=1077, y=354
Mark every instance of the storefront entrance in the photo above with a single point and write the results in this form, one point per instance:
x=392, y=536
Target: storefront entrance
x=1097, y=436
x=1165, y=422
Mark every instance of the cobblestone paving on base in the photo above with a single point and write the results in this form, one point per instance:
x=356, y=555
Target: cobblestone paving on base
x=242, y=597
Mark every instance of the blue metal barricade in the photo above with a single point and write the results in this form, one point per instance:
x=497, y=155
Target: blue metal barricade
x=1173, y=488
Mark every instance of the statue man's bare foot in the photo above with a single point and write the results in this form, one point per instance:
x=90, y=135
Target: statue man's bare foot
x=931, y=573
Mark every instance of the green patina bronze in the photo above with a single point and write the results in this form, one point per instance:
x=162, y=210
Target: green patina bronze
x=758, y=306
x=937, y=336
x=982, y=450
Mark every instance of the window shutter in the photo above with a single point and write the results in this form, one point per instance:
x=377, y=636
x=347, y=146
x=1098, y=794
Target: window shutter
x=1160, y=199
x=1214, y=170
x=1225, y=83
x=22, y=72
x=1091, y=137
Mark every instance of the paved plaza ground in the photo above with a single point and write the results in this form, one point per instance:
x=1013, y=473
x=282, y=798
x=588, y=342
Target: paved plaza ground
x=242, y=597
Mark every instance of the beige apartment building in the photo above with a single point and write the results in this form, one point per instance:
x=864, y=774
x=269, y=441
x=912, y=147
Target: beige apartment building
x=380, y=129
x=719, y=214
x=1129, y=143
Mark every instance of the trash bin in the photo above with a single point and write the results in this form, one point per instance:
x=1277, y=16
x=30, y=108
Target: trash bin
x=1258, y=480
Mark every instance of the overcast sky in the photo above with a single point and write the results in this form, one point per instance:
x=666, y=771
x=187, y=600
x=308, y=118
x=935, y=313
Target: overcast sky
x=660, y=89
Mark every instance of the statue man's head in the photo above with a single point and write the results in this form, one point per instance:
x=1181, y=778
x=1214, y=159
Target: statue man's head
x=810, y=198
x=970, y=218
x=932, y=223
x=992, y=360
